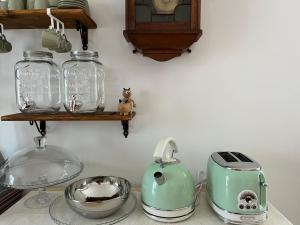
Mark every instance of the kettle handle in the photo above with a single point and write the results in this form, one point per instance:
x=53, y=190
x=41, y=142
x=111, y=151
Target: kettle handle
x=263, y=190
x=164, y=154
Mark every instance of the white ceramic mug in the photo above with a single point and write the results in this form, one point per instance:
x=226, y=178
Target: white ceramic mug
x=4, y=4
x=52, y=3
x=41, y=4
x=30, y=4
x=16, y=4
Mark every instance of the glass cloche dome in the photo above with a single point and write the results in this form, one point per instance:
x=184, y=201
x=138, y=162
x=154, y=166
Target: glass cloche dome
x=39, y=167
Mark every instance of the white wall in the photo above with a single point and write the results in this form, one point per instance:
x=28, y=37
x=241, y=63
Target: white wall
x=239, y=89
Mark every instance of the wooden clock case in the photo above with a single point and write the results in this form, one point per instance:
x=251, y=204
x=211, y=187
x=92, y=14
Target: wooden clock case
x=162, y=41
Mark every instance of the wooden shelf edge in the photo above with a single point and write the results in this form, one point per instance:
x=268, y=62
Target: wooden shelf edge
x=165, y=32
x=64, y=116
x=38, y=19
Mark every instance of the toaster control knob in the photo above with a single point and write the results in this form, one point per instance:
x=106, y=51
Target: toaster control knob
x=248, y=207
x=254, y=207
x=241, y=206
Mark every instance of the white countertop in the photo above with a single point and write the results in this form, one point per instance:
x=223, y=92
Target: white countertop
x=19, y=215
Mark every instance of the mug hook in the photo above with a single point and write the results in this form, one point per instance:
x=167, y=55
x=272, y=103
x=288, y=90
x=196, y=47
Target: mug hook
x=51, y=18
x=58, y=22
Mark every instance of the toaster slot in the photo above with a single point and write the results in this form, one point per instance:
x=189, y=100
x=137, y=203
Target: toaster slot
x=241, y=157
x=227, y=157
x=234, y=161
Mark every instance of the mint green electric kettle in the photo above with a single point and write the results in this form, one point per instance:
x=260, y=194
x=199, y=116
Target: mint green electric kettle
x=168, y=189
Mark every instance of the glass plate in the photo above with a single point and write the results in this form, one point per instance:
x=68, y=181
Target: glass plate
x=62, y=214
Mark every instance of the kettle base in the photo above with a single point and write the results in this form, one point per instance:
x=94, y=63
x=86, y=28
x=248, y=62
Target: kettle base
x=168, y=216
x=235, y=218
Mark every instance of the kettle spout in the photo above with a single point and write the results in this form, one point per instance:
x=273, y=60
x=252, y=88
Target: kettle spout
x=159, y=178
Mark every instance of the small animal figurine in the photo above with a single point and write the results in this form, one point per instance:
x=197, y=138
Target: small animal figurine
x=127, y=104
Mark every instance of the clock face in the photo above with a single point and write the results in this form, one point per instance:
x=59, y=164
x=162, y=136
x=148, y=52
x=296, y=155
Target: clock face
x=163, y=11
x=165, y=6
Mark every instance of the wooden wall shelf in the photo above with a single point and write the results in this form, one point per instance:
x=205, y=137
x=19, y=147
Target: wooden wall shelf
x=64, y=116
x=38, y=19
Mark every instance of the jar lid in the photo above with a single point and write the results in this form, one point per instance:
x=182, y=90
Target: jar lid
x=89, y=54
x=39, y=166
x=37, y=54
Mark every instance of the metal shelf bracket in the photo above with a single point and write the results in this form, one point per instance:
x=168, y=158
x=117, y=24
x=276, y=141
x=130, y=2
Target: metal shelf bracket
x=41, y=128
x=125, y=124
x=83, y=33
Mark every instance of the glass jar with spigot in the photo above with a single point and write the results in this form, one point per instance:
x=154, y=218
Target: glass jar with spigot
x=84, y=83
x=37, y=83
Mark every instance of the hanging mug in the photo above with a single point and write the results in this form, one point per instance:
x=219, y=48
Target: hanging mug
x=51, y=39
x=65, y=45
x=54, y=38
x=5, y=46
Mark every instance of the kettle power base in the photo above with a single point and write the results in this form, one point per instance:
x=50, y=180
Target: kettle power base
x=170, y=216
x=235, y=218
x=169, y=219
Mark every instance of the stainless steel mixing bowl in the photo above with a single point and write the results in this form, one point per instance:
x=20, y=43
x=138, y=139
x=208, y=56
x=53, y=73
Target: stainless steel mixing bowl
x=97, y=197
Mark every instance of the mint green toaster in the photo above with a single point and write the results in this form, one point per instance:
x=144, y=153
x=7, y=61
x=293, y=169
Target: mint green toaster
x=236, y=188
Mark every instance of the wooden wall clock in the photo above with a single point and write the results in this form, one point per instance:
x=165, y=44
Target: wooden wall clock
x=162, y=29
